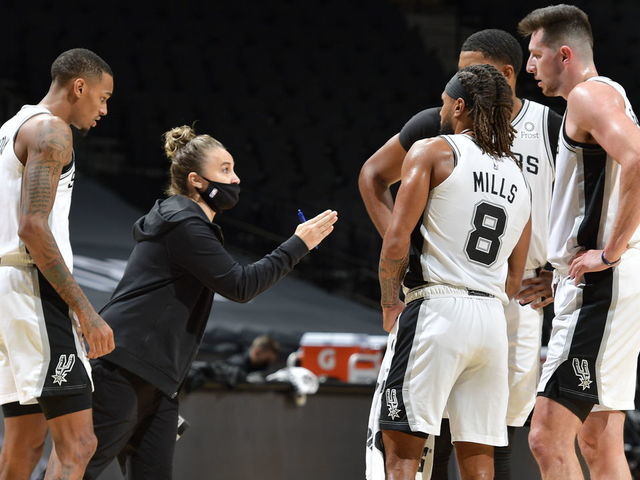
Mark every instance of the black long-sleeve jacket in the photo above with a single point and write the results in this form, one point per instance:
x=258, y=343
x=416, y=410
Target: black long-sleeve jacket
x=159, y=309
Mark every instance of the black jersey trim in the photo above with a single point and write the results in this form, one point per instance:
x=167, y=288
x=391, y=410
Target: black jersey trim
x=69, y=165
x=414, y=276
x=545, y=136
x=66, y=373
x=521, y=114
x=593, y=164
x=574, y=143
x=554, y=125
x=394, y=384
x=454, y=149
x=578, y=374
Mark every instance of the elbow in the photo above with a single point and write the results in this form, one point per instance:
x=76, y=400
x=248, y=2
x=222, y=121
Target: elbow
x=370, y=179
x=29, y=229
x=243, y=299
x=365, y=178
x=238, y=296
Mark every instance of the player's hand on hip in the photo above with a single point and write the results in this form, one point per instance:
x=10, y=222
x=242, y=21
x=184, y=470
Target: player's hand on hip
x=584, y=262
x=390, y=315
x=537, y=290
x=313, y=231
x=98, y=335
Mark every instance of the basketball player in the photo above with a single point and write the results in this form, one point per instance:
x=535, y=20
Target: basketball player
x=534, y=145
x=593, y=246
x=44, y=373
x=464, y=206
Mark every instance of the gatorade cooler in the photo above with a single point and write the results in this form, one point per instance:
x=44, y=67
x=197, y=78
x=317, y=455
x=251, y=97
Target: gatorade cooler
x=349, y=357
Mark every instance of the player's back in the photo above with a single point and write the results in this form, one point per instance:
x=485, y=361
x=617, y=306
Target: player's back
x=11, y=171
x=472, y=223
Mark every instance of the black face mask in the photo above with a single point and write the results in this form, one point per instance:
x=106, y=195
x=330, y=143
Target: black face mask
x=220, y=196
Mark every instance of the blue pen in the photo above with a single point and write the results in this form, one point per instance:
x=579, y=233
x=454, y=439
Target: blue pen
x=302, y=219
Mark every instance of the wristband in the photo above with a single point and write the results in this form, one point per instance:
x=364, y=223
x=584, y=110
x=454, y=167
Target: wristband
x=607, y=262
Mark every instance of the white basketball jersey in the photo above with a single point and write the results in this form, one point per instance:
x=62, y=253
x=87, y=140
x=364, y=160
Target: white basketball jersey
x=471, y=224
x=532, y=147
x=585, y=197
x=11, y=170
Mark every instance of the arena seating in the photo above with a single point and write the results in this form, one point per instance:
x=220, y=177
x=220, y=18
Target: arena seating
x=300, y=94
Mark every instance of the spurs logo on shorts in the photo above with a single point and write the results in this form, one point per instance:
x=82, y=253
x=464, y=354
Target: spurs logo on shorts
x=65, y=364
x=581, y=370
x=392, y=403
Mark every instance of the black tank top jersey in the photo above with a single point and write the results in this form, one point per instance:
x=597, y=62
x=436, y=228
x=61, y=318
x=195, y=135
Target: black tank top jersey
x=424, y=124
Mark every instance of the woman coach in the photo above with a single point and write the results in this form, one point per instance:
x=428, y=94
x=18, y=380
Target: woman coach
x=160, y=307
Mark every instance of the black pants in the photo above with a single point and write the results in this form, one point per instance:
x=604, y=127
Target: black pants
x=134, y=422
x=442, y=451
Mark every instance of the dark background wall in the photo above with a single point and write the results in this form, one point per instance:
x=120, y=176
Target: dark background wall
x=301, y=93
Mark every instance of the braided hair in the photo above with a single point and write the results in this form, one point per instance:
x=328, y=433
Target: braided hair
x=490, y=109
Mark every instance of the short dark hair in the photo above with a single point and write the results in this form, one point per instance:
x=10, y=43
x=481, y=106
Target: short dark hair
x=265, y=342
x=78, y=62
x=559, y=23
x=496, y=45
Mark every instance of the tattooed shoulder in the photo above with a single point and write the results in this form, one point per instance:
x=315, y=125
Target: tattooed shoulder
x=51, y=141
x=49, y=150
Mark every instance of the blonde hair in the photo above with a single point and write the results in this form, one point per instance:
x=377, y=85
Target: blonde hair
x=186, y=150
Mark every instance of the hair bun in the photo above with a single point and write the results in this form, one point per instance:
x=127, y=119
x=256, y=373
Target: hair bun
x=176, y=139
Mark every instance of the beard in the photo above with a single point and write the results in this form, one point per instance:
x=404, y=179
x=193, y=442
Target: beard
x=550, y=90
x=79, y=132
x=446, y=127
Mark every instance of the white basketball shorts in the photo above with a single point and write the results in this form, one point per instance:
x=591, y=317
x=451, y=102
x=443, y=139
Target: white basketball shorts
x=40, y=352
x=595, y=339
x=450, y=353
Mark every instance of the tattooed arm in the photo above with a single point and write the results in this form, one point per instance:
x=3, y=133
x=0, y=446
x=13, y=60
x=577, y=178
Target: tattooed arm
x=391, y=271
x=46, y=146
x=419, y=171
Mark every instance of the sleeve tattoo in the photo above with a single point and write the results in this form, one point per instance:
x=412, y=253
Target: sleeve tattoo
x=391, y=272
x=49, y=152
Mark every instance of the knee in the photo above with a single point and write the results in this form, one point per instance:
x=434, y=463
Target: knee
x=397, y=468
x=542, y=443
x=77, y=450
x=25, y=445
x=479, y=473
x=34, y=448
x=394, y=468
x=588, y=444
